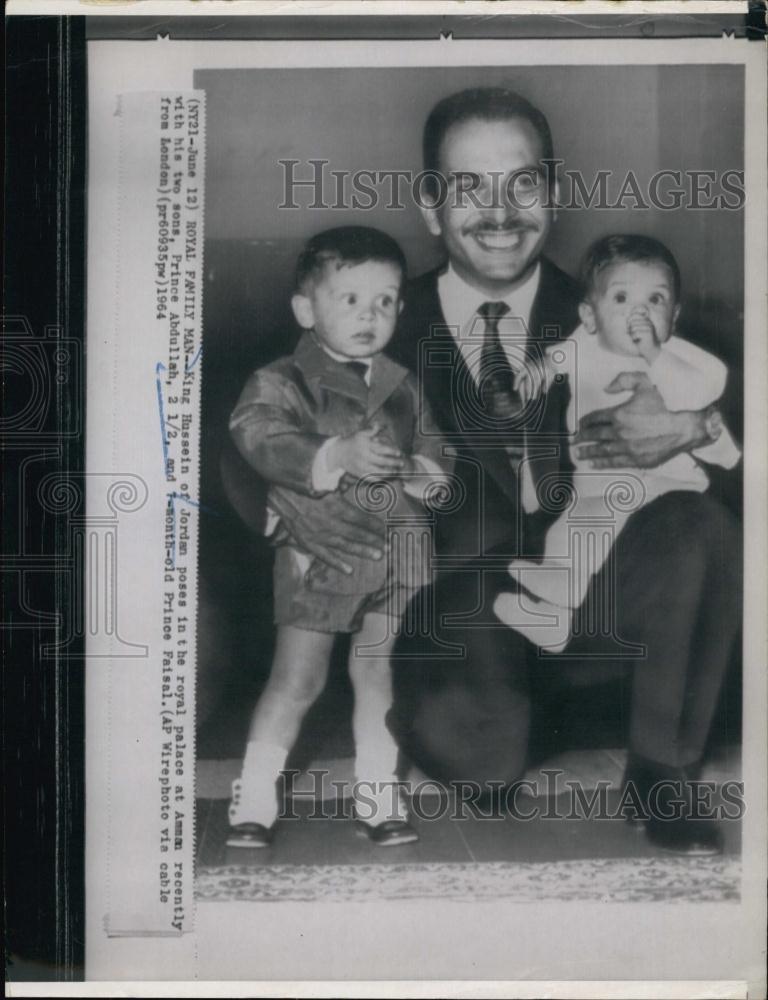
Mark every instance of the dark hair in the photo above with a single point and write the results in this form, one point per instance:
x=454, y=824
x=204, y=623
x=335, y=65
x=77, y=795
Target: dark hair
x=346, y=245
x=491, y=104
x=624, y=248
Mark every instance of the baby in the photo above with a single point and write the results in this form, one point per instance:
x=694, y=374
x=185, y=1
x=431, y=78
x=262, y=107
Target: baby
x=630, y=308
x=339, y=417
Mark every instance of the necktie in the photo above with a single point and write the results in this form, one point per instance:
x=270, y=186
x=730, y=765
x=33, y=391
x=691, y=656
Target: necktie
x=499, y=397
x=359, y=369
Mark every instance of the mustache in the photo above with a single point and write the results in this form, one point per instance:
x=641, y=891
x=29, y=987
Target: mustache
x=496, y=228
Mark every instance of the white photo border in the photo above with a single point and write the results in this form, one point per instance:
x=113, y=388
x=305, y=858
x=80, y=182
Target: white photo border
x=424, y=940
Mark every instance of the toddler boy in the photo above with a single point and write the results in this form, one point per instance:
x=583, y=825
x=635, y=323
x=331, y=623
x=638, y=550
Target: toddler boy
x=338, y=416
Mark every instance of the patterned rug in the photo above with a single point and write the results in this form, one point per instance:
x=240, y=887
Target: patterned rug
x=646, y=880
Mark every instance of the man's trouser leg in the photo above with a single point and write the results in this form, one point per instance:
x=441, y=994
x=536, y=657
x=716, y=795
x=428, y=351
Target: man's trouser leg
x=677, y=573
x=461, y=706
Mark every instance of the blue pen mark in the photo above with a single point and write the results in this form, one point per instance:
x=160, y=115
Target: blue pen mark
x=173, y=496
x=193, y=503
x=188, y=366
x=161, y=411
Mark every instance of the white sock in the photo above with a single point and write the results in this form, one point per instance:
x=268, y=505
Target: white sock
x=546, y=625
x=263, y=758
x=552, y=582
x=376, y=761
x=254, y=797
x=377, y=796
x=377, y=801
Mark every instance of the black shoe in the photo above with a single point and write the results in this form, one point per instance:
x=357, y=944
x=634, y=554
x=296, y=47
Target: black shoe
x=691, y=837
x=661, y=805
x=249, y=835
x=390, y=833
x=645, y=774
x=658, y=792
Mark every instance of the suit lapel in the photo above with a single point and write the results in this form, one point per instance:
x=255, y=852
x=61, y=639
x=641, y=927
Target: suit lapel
x=323, y=371
x=554, y=316
x=386, y=376
x=423, y=343
x=442, y=369
x=320, y=370
x=444, y=375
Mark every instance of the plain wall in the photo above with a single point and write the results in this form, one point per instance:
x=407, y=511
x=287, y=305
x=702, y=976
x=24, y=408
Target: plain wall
x=617, y=118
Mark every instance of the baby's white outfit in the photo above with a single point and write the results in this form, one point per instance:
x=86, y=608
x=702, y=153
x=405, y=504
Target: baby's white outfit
x=580, y=540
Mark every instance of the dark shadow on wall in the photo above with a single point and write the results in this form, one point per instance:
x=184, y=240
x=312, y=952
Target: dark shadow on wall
x=247, y=324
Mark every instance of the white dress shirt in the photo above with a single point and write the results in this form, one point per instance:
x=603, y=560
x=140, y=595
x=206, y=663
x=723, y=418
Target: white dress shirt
x=460, y=303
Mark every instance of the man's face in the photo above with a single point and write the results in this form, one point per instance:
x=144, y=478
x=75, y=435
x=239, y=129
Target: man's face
x=353, y=308
x=495, y=232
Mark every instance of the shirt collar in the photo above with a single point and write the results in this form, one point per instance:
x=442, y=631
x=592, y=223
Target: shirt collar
x=460, y=300
x=342, y=359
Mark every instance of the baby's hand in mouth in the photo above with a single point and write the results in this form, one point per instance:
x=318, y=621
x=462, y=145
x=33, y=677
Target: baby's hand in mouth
x=640, y=326
x=643, y=335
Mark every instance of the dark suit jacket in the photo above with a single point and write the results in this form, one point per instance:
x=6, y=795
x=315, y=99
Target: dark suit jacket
x=490, y=514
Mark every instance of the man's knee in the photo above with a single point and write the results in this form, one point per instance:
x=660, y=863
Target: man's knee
x=683, y=547
x=453, y=734
x=437, y=616
x=683, y=522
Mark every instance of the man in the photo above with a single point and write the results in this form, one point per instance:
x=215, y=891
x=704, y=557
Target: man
x=468, y=687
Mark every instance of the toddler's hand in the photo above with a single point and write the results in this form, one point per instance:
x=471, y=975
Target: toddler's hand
x=364, y=454
x=643, y=334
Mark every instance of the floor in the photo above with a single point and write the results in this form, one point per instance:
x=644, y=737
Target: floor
x=454, y=835
x=589, y=723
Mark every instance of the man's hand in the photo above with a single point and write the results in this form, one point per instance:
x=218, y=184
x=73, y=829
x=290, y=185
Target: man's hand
x=331, y=529
x=365, y=454
x=641, y=433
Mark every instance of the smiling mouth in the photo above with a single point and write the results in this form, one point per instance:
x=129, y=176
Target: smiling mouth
x=500, y=240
